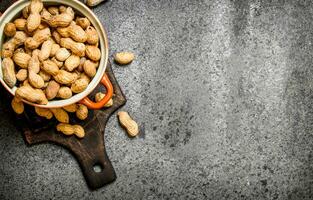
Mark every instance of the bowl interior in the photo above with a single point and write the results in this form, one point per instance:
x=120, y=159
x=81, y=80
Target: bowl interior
x=15, y=10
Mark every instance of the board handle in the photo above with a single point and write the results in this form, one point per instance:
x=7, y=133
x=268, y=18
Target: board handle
x=92, y=156
x=98, y=170
x=89, y=151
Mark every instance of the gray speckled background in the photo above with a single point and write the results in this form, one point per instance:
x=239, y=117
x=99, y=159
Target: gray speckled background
x=224, y=92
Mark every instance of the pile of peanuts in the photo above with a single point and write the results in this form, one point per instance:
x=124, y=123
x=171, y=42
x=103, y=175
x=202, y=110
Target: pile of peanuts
x=61, y=114
x=49, y=54
x=55, y=54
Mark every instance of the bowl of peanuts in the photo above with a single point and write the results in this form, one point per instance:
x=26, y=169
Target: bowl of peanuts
x=54, y=53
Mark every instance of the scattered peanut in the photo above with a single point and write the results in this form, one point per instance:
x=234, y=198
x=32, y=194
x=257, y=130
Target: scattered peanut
x=70, y=108
x=17, y=105
x=124, y=58
x=82, y=112
x=68, y=129
x=92, y=3
x=79, y=131
x=99, y=96
x=128, y=123
x=43, y=112
x=60, y=114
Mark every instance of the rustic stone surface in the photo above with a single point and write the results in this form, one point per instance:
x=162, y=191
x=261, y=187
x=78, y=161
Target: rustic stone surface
x=223, y=94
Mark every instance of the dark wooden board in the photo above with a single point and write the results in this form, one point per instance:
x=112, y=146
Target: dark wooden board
x=90, y=150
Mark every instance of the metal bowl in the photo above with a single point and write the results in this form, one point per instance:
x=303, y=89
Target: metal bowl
x=15, y=10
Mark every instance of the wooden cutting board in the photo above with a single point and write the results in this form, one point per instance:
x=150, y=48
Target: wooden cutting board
x=90, y=151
